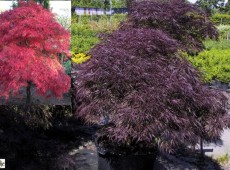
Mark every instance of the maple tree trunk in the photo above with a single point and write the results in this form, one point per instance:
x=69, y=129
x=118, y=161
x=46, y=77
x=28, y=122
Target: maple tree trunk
x=28, y=93
x=201, y=148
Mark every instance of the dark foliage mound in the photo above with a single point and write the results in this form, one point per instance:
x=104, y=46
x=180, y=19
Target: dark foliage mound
x=28, y=146
x=139, y=83
x=182, y=21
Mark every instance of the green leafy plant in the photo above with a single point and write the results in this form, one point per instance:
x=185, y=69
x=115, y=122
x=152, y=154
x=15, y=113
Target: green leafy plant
x=224, y=159
x=224, y=32
x=219, y=18
x=213, y=64
x=79, y=58
x=220, y=45
x=85, y=30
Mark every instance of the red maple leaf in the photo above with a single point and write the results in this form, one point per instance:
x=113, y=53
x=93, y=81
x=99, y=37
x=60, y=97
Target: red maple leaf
x=30, y=41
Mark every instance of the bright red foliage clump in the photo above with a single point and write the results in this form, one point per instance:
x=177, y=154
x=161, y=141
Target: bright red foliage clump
x=30, y=41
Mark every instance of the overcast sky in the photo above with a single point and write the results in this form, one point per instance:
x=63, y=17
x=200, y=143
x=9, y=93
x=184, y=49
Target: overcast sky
x=193, y=1
x=58, y=7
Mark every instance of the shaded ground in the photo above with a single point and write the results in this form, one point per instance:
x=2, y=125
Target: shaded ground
x=30, y=148
x=68, y=144
x=87, y=156
x=87, y=160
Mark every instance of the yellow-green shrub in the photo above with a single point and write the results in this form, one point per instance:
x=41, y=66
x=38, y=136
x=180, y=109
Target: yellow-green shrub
x=79, y=58
x=214, y=64
x=219, y=18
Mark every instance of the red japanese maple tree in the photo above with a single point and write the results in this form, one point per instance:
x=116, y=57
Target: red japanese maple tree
x=30, y=41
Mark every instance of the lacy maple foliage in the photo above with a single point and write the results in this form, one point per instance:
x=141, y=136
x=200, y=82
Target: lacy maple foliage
x=30, y=41
x=139, y=83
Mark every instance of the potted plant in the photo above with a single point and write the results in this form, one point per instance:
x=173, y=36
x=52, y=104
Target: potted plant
x=141, y=87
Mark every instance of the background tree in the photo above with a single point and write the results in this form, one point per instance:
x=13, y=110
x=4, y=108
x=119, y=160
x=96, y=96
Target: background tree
x=210, y=5
x=189, y=22
x=30, y=41
x=44, y=3
x=226, y=8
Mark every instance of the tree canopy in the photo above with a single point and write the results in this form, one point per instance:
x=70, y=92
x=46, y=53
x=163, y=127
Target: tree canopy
x=139, y=83
x=30, y=41
x=210, y=5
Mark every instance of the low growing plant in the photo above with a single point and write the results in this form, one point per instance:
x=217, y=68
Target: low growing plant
x=224, y=31
x=224, y=159
x=222, y=44
x=219, y=18
x=214, y=64
x=79, y=58
x=85, y=31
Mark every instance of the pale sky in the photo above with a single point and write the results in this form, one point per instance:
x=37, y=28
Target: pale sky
x=192, y=1
x=58, y=7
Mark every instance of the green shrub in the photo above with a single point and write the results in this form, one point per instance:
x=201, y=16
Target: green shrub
x=82, y=30
x=213, y=64
x=224, y=32
x=83, y=38
x=219, y=18
x=85, y=30
x=85, y=19
x=224, y=159
x=221, y=45
x=83, y=44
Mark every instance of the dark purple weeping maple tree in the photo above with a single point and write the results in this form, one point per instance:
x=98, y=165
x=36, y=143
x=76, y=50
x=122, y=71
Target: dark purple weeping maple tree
x=139, y=81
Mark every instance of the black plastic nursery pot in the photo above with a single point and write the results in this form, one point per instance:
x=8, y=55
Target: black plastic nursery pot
x=126, y=162
x=112, y=160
